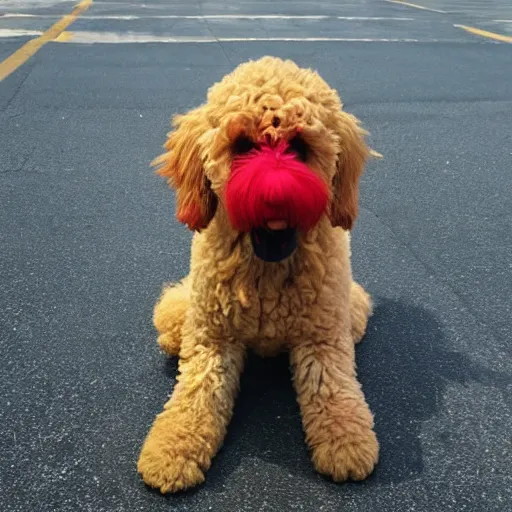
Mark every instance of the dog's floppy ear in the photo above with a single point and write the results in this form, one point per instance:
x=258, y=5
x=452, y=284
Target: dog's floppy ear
x=352, y=157
x=182, y=165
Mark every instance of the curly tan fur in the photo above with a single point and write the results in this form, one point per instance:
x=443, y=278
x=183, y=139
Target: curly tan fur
x=307, y=304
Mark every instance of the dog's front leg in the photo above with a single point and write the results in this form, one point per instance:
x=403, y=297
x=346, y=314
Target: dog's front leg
x=190, y=430
x=336, y=418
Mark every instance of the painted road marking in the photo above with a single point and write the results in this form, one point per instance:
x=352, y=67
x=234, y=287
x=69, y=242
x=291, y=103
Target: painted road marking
x=314, y=39
x=129, y=17
x=89, y=37
x=416, y=6
x=485, y=33
x=18, y=32
x=19, y=57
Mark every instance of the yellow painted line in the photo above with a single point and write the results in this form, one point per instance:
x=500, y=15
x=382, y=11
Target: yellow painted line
x=485, y=33
x=64, y=37
x=416, y=6
x=19, y=57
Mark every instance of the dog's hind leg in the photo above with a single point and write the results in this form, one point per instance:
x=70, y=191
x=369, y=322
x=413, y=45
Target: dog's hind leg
x=360, y=311
x=169, y=316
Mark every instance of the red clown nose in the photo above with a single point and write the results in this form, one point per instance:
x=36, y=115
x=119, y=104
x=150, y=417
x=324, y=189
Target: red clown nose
x=270, y=186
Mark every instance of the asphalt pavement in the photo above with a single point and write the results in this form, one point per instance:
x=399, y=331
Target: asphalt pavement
x=88, y=237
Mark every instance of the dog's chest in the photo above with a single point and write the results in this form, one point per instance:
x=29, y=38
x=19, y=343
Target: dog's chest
x=273, y=311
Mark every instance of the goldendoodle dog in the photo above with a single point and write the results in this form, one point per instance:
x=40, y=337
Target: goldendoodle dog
x=266, y=173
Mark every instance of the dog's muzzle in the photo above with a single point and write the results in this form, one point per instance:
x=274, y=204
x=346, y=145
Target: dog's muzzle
x=272, y=195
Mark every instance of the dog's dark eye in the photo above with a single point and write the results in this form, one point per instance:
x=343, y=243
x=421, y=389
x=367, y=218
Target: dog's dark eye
x=243, y=145
x=298, y=146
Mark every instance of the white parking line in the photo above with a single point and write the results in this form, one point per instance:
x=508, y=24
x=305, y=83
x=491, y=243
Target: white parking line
x=416, y=6
x=18, y=32
x=319, y=39
x=90, y=37
x=129, y=17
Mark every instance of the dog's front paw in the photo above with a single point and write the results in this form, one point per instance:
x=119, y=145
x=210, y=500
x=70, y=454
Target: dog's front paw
x=167, y=470
x=344, y=459
x=173, y=458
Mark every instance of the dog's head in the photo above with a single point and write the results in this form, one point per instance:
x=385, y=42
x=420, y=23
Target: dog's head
x=272, y=148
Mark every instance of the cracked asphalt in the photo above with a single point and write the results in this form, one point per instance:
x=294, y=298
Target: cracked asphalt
x=88, y=237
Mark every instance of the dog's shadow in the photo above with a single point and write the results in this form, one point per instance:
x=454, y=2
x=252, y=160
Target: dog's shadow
x=404, y=368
